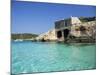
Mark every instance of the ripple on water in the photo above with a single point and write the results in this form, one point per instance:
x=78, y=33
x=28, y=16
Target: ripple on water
x=30, y=57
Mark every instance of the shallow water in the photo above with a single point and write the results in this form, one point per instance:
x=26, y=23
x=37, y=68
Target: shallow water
x=32, y=57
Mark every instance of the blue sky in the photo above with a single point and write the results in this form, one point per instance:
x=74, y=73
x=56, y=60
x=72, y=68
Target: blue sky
x=36, y=17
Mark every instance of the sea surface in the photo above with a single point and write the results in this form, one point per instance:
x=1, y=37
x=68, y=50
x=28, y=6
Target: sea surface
x=34, y=57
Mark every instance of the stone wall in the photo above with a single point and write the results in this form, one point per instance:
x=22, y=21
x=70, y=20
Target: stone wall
x=75, y=20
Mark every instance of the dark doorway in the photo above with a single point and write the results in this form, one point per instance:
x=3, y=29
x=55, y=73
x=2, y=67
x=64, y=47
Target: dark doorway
x=59, y=34
x=66, y=32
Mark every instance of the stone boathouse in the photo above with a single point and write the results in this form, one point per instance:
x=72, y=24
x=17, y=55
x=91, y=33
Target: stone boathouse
x=71, y=30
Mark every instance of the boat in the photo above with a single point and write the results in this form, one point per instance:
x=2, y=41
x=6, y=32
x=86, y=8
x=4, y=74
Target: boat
x=18, y=40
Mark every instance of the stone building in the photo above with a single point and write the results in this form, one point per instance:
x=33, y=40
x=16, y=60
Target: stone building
x=73, y=27
x=70, y=29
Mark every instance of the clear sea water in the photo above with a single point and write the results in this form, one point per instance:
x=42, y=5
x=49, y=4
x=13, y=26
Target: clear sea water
x=33, y=57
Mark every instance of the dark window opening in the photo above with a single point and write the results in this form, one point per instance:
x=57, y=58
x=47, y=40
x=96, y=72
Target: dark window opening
x=66, y=33
x=59, y=34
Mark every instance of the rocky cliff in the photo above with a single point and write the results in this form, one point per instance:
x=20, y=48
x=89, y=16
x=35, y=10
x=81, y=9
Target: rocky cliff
x=48, y=36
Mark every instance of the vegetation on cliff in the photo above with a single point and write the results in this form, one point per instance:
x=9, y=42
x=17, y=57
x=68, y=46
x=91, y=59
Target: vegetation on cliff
x=87, y=19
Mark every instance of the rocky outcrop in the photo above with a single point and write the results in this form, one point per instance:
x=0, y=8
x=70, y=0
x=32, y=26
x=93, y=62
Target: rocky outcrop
x=83, y=32
x=48, y=36
x=87, y=29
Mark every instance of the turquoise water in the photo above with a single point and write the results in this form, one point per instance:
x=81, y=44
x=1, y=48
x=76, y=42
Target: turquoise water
x=32, y=57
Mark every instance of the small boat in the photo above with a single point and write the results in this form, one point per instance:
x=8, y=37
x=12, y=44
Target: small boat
x=17, y=40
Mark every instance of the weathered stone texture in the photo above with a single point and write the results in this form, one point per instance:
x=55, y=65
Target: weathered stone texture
x=50, y=35
x=89, y=29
